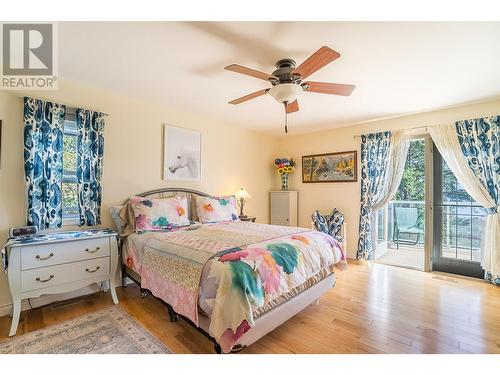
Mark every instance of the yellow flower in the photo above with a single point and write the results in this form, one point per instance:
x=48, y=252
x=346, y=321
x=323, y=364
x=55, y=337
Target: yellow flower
x=281, y=170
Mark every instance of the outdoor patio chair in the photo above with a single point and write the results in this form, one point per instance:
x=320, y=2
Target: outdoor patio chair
x=406, y=222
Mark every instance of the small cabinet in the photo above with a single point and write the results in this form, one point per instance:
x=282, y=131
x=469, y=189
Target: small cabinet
x=284, y=207
x=59, y=262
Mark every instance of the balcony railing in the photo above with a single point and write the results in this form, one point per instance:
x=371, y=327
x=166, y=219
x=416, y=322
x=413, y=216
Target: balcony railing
x=392, y=219
x=462, y=227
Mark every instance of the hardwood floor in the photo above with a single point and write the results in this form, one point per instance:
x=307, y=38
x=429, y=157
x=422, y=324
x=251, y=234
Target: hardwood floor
x=373, y=308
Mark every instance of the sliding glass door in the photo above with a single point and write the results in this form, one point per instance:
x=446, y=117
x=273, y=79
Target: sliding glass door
x=430, y=196
x=459, y=223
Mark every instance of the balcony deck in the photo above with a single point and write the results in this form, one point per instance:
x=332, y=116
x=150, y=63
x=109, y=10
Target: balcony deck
x=408, y=256
x=463, y=223
x=412, y=256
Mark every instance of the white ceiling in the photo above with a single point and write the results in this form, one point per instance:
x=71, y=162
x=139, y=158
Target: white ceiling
x=398, y=68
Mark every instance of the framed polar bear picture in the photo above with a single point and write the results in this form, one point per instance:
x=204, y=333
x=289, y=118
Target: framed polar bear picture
x=181, y=154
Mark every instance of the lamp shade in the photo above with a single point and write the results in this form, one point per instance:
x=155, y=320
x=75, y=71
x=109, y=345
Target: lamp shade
x=286, y=92
x=242, y=193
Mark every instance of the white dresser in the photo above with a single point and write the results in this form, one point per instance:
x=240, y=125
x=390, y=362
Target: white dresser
x=284, y=209
x=58, y=263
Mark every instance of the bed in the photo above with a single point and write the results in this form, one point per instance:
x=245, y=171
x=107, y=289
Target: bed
x=235, y=281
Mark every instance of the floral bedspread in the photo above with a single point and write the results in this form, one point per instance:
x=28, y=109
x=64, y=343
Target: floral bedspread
x=252, y=264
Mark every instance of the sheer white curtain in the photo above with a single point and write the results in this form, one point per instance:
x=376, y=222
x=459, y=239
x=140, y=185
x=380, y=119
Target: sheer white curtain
x=396, y=165
x=446, y=140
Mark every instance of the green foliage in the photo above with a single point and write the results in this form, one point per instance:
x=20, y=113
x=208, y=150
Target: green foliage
x=69, y=191
x=412, y=187
x=69, y=198
x=452, y=190
x=69, y=153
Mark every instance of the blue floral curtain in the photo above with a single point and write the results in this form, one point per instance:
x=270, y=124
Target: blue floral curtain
x=479, y=140
x=43, y=141
x=375, y=149
x=90, y=146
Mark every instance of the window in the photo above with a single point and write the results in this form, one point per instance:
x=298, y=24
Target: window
x=380, y=217
x=459, y=224
x=69, y=190
x=463, y=220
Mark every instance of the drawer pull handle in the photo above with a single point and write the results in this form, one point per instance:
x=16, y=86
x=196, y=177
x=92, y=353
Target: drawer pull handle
x=93, y=251
x=44, y=258
x=44, y=281
x=89, y=271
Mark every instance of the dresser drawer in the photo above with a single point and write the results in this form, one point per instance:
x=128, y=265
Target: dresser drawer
x=46, y=277
x=50, y=254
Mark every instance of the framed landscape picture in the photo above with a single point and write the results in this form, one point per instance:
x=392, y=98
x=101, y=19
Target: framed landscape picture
x=182, y=154
x=333, y=167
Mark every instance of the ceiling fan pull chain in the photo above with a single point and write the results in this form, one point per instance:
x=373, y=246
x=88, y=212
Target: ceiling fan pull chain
x=286, y=119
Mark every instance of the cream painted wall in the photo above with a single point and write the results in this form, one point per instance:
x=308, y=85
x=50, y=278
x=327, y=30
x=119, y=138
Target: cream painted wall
x=346, y=196
x=12, y=201
x=232, y=157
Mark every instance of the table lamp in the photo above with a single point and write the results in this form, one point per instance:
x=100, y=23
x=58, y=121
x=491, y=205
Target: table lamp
x=241, y=195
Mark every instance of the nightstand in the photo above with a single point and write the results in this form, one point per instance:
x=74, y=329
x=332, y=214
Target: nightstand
x=248, y=218
x=59, y=262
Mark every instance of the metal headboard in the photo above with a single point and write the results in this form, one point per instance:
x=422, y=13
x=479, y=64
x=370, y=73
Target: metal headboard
x=162, y=191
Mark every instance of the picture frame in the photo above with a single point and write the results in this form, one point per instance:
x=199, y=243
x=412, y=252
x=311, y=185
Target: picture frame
x=181, y=154
x=330, y=167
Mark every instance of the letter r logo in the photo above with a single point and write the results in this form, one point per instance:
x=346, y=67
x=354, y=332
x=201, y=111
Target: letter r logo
x=27, y=49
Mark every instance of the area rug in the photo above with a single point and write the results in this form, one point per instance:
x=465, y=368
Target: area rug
x=109, y=331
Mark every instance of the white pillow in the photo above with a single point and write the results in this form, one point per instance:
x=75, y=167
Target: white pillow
x=114, y=212
x=217, y=209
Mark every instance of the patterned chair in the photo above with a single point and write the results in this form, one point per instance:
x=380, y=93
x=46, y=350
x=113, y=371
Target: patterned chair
x=333, y=224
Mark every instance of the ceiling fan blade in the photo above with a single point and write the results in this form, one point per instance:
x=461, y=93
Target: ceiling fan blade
x=292, y=107
x=249, y=96
x=316, y=61
x=329, y=88
x=248, y=71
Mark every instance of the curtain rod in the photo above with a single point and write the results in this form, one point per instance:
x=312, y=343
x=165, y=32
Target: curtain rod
x=415, y=128
x=66, y=104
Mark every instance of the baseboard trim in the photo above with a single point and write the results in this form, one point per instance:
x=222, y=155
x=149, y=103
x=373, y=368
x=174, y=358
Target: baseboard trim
x=6, y=309
x=50, y=298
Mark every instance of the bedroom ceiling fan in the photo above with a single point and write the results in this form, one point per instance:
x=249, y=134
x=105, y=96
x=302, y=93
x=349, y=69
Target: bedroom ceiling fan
x=287, y=80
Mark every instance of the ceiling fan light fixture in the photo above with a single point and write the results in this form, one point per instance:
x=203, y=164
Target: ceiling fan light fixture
x=286, y=92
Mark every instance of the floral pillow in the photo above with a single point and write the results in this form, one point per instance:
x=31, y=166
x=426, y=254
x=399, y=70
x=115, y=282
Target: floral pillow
x=160, y=214
x=214, y=210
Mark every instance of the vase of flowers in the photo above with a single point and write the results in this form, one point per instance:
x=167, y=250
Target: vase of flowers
x=284, y=166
